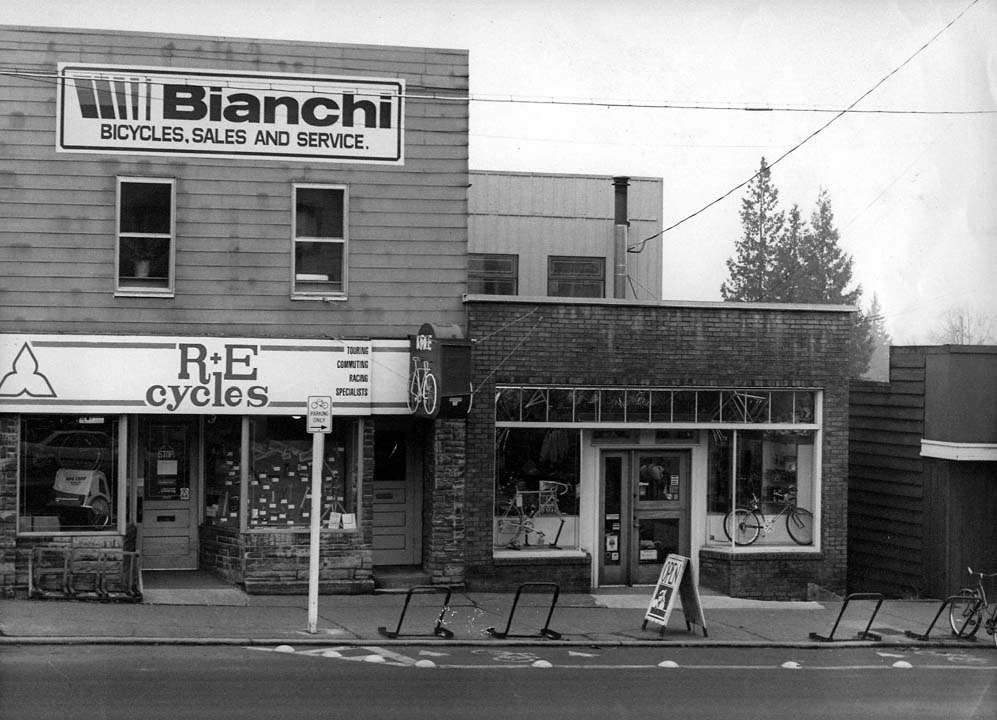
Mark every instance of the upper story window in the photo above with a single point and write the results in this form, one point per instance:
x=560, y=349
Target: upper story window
x=490, y=274
x=145, y=252
x=569, y=276
x=320, y=238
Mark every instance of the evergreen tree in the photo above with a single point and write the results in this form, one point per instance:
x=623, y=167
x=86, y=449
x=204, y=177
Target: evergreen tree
x=751, y=273
x=785, y=260
x=879, y=363
x=789, y=281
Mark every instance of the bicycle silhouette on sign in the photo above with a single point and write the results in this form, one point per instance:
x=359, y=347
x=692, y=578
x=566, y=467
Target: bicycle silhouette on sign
x=422, y=390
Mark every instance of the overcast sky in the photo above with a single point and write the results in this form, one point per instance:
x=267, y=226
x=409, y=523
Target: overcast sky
x=913, y=192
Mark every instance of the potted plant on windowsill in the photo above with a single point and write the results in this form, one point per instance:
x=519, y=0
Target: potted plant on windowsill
x=142, y=256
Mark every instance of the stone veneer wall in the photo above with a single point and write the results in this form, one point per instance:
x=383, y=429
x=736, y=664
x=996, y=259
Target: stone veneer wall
x=8, y=502
x=444, y=491
x=277, y=562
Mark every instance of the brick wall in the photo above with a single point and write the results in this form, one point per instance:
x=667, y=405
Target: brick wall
x=669, y=345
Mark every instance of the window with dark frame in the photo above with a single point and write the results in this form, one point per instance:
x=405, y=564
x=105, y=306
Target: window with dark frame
x=320, y=238
x=145, y=236
x=492, y=274
x=569, y=276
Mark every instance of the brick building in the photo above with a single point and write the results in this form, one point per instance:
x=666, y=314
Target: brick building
x=648, y=420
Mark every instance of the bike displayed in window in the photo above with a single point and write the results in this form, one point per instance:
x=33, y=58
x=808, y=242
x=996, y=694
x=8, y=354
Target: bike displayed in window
x=744, y=525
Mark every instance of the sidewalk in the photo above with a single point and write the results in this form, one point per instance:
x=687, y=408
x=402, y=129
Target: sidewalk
x=604, y=618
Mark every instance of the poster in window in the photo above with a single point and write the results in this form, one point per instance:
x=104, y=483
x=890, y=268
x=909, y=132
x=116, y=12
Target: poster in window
x=166, y=476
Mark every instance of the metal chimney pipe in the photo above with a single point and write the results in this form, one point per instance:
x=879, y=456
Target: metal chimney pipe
x=620, y=228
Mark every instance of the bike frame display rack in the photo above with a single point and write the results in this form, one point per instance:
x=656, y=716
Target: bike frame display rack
x=945, y=603
x=545, y=631
x=864, y=634
x=438, y=629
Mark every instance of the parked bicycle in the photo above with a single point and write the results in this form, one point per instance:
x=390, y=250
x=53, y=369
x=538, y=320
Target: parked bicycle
x=744, y=525
x=973, y=608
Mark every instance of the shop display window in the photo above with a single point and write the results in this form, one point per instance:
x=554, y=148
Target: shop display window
x=222, y=457
x=68, y=472
x=761, y=488
x=280, y=476
x=536, y=489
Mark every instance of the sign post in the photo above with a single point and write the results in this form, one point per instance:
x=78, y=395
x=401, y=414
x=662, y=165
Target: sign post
x=675, y=581
x=319, y=425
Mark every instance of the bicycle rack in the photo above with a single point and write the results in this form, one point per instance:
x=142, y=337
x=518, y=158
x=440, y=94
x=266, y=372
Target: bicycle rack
x=102, y=564
x=545, y=631
x=945, y=603
x=128, y=585
x=438, y=629
x=864, y=634
x=39, y=569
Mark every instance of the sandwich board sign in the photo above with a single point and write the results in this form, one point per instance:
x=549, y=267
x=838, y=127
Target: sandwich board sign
x=674, y=582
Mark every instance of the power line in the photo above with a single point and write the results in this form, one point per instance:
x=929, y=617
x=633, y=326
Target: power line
x=54, y=79
x=638, y=247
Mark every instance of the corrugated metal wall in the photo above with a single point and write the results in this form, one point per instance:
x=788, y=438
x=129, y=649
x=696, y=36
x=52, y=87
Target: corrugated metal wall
x=538, y=215
x=408, y=229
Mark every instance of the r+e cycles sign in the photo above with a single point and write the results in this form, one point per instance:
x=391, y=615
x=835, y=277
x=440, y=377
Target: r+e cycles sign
x=180, y=375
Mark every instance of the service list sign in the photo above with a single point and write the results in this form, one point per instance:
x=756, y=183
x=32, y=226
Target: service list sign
x=170, y=111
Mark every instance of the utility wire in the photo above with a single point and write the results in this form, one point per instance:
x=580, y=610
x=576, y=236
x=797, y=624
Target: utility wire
x=638, y=247
x=54, y=79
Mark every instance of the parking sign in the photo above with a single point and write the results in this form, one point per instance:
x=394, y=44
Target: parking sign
x=319, y=414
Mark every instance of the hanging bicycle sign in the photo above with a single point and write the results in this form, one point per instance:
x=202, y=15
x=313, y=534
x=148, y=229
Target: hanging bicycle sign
x=422, y=390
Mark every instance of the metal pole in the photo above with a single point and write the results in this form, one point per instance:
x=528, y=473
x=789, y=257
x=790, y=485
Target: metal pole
x=318, y=450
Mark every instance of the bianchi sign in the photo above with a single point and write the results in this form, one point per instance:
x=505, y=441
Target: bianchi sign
x=170, y=111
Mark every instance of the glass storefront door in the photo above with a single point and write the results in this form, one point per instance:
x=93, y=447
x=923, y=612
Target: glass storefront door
x=167, y=463
x=644, y=504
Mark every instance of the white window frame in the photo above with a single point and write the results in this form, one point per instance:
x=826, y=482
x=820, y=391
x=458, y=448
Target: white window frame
x=124, y=289
x=344, y=242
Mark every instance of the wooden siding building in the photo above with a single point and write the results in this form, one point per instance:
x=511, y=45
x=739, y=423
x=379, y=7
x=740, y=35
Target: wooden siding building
x=923, y=472
x=199, y=234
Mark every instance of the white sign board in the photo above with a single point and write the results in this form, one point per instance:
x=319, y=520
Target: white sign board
x=674, y=582
x=166, y=375
x=320, y=414
x=179, y=111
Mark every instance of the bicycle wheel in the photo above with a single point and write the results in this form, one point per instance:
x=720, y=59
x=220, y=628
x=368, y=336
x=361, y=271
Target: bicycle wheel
x=429, y=394
x=800, y=526
x=965, y=613
x=742, y=526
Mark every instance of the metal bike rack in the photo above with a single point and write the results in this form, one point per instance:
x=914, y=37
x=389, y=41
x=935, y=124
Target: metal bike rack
x=41, y=567
x=129, y=573
x=545, y=631
x=438, y=629
x=864, y=634
x=945, y=603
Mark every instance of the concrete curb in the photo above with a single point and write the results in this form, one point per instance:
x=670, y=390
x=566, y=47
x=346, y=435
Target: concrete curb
x=519, y=642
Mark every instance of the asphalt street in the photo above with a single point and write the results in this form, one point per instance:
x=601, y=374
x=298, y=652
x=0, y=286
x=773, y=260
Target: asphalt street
x=430, y=681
